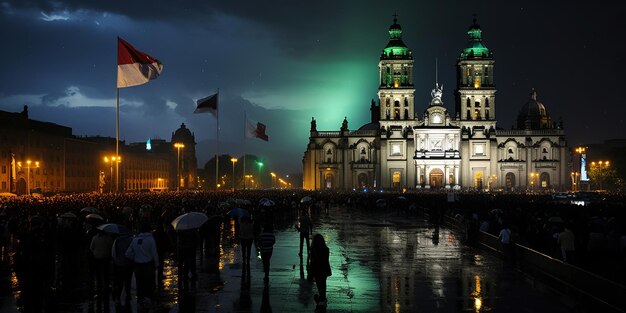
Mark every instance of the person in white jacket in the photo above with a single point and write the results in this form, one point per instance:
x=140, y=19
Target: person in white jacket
x=143, y=252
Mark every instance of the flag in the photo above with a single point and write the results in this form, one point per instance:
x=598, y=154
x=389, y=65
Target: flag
x=208, y=104
x=256, y=130
x=135, y=67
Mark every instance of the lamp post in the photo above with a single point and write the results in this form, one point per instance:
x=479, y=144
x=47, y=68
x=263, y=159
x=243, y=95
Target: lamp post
x=112, y=159
x=178, y=146
x=273, y=179
x=234, y=160
x=28, y=167
x=260, y=164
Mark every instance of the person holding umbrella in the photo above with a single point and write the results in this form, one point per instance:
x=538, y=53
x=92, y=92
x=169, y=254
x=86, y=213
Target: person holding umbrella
x=100, y=247
x=143, y=252
x=123, y=268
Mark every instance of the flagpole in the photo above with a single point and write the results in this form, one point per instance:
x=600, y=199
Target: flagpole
x=217, y=140
x=245, y=129
x=117, y=138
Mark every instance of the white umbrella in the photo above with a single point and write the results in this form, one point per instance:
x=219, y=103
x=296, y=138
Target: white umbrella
x=306, y=199
x=266, y=202
x=242, y=202
x=95, y=216
x=114, y=228
x=68, y=215
x=189, y=220
x=89, y=209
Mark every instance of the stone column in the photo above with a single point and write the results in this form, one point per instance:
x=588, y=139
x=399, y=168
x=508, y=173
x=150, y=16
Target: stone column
x=426, y=178
x=446, y=176
x=418, y=171
x=456, y=175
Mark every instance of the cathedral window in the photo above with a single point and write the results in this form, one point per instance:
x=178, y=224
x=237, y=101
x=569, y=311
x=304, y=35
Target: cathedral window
x=406, y=101
x=486, y=114
x=396, y=103
x=477, y=104
x=469, y=115
x=329, y=151
x=396, y=114
x=468, y=102
x=396, y=84
x=388, y=101
x=487, y=102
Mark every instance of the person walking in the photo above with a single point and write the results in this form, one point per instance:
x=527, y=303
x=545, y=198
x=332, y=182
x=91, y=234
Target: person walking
x=266, y=244
x=505, y=242
x=187, y=242
x=143, y=252
x=101, y=245
x=305, y=227
x=320, y=266
x=246, y=236
x=566, y=241
x=123, y=268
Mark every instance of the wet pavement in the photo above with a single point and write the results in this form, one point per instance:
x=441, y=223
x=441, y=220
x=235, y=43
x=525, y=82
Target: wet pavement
x=380, y=263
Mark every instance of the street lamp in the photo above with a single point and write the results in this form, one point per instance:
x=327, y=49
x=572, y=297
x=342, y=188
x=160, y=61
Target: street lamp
x=260, y=164
x=532, y=180
x=113, y=159
x=28, y=167
x=273, y=179
x=234, y=160
x=178, y=146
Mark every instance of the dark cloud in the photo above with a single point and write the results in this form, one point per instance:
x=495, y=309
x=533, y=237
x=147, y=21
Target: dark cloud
x=286, y=61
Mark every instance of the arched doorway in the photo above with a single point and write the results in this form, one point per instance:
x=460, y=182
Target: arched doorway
x=396, y=179
x=20, y=187
x=362, y=180
x=544, y=180
x=478, y=180
x=509, y=181
x=436, y=178
x=328, y=180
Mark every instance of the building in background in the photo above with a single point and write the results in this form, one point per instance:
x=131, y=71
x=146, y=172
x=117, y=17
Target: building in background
x=400, y=149
x=43, y=157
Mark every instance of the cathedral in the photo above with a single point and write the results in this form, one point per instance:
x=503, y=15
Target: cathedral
x=402, y=150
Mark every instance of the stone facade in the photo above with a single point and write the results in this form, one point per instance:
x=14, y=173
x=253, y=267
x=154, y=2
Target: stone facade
x=400, y=149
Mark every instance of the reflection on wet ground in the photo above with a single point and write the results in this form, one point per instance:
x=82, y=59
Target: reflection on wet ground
x=380, y=263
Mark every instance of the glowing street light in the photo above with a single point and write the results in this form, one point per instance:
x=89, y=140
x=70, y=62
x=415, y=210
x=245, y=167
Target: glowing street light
x=273, y=179
x=260, y=164
x=234, y=160
x=28, y=167
x=178, y=146
x=112, y=159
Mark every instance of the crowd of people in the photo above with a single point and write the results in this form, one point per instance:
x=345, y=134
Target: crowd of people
x=50, y=238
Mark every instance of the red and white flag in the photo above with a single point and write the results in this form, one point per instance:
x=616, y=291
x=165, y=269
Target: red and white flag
x=135, y=67
x=255, y=130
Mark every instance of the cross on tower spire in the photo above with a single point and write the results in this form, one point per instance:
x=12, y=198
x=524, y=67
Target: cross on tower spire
x=395, y=17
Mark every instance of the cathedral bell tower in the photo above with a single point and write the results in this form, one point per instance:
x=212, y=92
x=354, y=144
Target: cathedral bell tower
x=395, y=91
x=476, y=91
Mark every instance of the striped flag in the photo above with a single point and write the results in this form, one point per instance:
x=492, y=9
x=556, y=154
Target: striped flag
x=208, y=104
x=256, y=130
x=135, y=67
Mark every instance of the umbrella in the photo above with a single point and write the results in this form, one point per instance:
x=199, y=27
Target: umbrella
x=381, y=203
x=306, y=199
x=266, y=202
x=242, y=202
x=68, y=215
x=238, y=212
x=89, y=209
x=114, y=229
x=127, y=210
x=401, y=198
x=224, y=205
x=189, y=220
x=555, y=219
x=95, y=216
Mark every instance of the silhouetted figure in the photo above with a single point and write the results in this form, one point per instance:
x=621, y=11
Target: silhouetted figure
x=187, y=242
x=265, y=302
x=143, y=252
x=246, y=236
x=305, y=227
x=320, y=266
x=123, y=269
x=266, y=244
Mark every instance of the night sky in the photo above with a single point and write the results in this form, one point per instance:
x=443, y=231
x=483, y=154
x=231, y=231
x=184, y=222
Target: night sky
x=286, y=61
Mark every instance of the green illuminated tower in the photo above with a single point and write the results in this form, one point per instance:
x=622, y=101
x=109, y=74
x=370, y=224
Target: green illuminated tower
x=396, y=90
x=476, y=91
x=476, y=111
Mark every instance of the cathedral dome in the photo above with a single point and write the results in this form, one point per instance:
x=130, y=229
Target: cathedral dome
x=182, y=134
x=370, y=126
x=475, y=47
x=533, y=114
x=396, y=48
